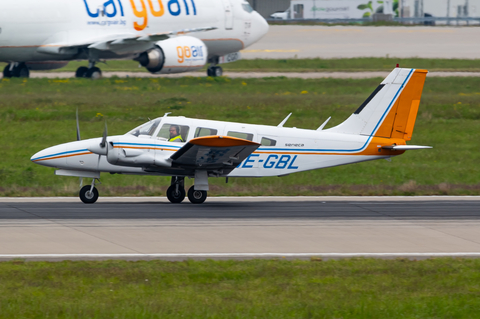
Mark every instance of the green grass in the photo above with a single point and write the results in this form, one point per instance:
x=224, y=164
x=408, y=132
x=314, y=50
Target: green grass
x=38, y=113
x=309, y=65
x=349, y=288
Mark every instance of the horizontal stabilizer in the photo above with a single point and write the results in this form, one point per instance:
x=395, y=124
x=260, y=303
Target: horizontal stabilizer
x=405, y=147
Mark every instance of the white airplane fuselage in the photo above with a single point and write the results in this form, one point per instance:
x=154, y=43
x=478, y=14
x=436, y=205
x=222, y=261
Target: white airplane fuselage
x=29, y=27
x=291, y=150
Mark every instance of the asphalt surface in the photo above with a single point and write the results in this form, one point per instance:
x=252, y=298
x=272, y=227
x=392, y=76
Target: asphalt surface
x=287, y=42
x=239, y=228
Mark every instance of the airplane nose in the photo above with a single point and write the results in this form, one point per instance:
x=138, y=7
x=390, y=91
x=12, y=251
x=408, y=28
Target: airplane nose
x=260, y=27
x=52, y=156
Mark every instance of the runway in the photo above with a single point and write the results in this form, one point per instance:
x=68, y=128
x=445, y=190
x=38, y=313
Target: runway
x=152, y=228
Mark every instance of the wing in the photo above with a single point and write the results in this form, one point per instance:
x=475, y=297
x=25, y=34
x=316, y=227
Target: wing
x=118, y=43
x=218, y=154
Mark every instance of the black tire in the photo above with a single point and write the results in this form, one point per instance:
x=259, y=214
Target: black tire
x=94, y=73
x=175, y=196
x=218, y=71
x=81, y=72
x=196, y=197
x=6, y=72
x=86, y=196
x=21, y=71
x=210, y=71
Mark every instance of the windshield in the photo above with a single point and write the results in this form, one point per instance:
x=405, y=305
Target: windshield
x=247, y=7
x=145, y=129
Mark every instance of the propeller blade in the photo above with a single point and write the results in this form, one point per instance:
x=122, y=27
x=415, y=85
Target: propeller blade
x=78, y=128
x=104, y=139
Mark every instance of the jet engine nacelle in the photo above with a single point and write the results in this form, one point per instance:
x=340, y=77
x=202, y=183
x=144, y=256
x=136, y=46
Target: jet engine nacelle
x=175, y=55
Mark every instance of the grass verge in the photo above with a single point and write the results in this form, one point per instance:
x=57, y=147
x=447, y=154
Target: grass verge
x=38, y=113
x=349, y=288
x=309, y=65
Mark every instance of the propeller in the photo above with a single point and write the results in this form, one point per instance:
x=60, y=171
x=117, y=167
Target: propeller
x=78, y=128
x=103, y=144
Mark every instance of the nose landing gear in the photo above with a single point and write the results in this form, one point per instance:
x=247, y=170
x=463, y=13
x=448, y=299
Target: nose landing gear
x=89, y=194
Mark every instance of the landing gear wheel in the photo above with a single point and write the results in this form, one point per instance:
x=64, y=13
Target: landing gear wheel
x=81, y=72
x=94, y=73
x=21, y=71
x=196, y=197
x=6, y=72
x=175, y=194
x=217, y=71
x=88, y=197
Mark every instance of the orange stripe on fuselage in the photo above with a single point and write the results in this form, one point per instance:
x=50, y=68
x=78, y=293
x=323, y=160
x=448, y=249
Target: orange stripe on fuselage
x=148, y=148
x=63, y=156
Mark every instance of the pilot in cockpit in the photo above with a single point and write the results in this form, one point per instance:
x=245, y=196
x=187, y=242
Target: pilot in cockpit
x=175, y=135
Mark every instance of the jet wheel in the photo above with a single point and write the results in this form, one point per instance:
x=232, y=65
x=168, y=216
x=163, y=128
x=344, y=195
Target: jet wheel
x=6, y=72
x=217, y=71
x=21, y=71
x=88, y=197
x=175, y=195
x=196, y=196
x=94, y=73
x=81, y=72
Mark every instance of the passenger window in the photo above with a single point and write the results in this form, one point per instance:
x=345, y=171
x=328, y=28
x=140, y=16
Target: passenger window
x=202, y=131
x=268, y=142
x=245, y=136
x=173, y=132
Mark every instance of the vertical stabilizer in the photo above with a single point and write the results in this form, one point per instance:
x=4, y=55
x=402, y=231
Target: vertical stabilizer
x=391, y=110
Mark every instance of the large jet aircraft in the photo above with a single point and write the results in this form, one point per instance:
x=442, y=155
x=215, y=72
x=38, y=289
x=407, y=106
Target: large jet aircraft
x=164, y=36
x=182, y=147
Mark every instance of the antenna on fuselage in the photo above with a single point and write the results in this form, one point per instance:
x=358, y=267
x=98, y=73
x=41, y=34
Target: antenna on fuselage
x=284, y=121
x=323, y=125
x=166, y=114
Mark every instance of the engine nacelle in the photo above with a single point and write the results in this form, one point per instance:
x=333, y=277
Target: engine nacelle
x=175, y=55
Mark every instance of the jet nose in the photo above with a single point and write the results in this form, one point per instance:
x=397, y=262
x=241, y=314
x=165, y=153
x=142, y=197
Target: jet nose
x=260, y=27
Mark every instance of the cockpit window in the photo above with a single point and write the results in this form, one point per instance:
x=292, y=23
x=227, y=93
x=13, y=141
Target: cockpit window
x=247, y=7
x=145, y=129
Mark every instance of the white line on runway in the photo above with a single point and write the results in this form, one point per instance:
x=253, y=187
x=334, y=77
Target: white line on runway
x=234, y=256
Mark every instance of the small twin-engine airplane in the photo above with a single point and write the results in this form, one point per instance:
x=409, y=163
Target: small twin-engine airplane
x=164, y=36
x=183, y=147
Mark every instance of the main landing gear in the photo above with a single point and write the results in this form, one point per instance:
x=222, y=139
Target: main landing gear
x=16, y=70
x=92, y=72
x=176, y=192
x=89, y=194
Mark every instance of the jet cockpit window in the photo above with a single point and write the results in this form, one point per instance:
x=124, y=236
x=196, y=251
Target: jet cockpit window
x=247, y=7
x=145, y=129
x=203, y=131
x=268, y=142
x=245, y=136
x=173, y=132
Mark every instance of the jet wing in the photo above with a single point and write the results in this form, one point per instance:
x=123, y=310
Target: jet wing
x=118, y=43
x=220, y=154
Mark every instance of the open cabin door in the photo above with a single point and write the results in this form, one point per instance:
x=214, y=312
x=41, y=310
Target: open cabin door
x=228, y=14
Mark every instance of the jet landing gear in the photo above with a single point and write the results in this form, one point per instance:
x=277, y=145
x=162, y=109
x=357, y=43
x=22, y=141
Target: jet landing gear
x=214, y=70
x=16, y=70
x=89, y=194
x=92, y=72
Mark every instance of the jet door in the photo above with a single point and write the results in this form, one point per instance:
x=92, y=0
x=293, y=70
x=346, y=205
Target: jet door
x=228, y=14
